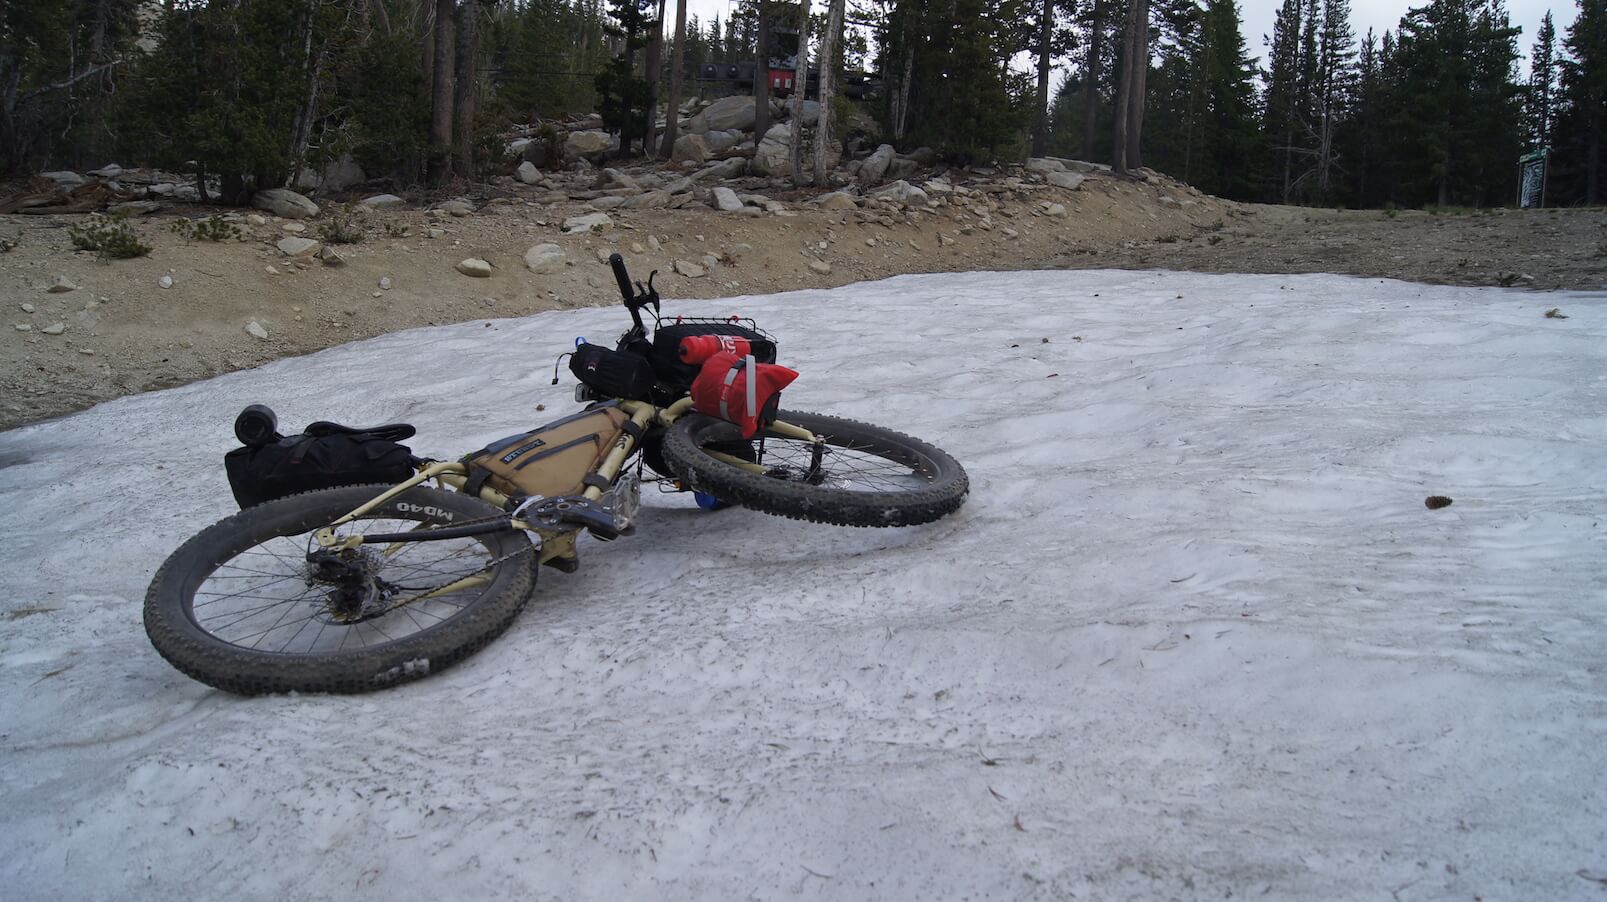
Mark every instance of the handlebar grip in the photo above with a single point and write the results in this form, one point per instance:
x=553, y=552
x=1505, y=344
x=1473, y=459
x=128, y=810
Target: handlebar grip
x=622, y=277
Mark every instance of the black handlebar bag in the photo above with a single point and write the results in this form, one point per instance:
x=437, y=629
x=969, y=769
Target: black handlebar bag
x=325, y=456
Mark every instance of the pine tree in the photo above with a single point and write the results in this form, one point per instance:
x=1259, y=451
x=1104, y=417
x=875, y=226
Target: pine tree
x=623, y=96
x=1538, y=111
x=1584, y=104
x=1282, y=100
x=1333, y=94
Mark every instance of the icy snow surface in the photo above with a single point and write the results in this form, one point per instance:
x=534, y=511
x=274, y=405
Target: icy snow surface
x=1194, y=633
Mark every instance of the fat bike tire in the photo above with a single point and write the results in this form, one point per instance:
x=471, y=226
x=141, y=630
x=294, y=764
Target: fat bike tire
x=869, y=476
x=240, y=608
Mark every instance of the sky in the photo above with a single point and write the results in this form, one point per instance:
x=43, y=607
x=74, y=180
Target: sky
x=1379, y=15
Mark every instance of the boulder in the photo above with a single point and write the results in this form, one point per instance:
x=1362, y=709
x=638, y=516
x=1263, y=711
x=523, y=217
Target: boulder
x=298, y=247
x=690, y=147
x=875, y=166
x=726, y=200
x=1054, y=210
x=65, y=179
x=679, y=186
x=923, y=156
x=581, y=145
x=726, y=114
x=60, y=284
x=475, y=268
x=904, y=193
x=720, y=141
x=613, y=178
x=109, y=171
x=647, y=200
x=811, y=111
x=456, y=207
x=284, y=202
x=544, y=258
x=527, y=173
x=1045, y=165
x=381, y=200
x=341, y=174
x=901, y=168
x=134, y=208
x=837, y=200
x=772, y=156
x=735, y=167
x=688, y=269
x=588, y=222
x=255, y=330
x=821, y=267
x=1071, y=181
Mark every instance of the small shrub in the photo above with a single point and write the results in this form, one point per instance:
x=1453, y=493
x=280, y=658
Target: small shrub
x=397, y=230
x=109, y=236
x=342, y=227
x=212, y=228
x=7, y=245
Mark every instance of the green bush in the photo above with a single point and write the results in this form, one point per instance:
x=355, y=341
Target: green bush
x=111, y=237
x=212, y=228
x=343, y=227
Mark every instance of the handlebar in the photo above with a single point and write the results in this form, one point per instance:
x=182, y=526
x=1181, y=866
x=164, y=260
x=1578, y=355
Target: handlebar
x=622, y=277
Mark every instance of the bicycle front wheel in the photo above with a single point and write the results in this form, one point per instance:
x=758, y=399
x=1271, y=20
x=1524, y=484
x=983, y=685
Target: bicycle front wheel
x=252, y=605
x=862, y=475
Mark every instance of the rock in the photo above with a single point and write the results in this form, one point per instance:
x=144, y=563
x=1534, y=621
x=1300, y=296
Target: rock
x=750, y=212
x=54, y=329
x=721, y=141
x=517, y=146
x=690, y=147
x=725, y=114
x=875, y=166
x=341, y=174
x=63, y=178
x=544, y=258
x=1045, y=165
x=187, y=193
x=613, y=178
x=900, y=168
x=735, y=167
x=294, y=228
x=605, y=203
x=164, y=282
x=271, y=270
x=602, y=254
x=837, y=200
x=384, y=283
x=1054, y=210
x=382, y=200
x=938, y=186
x=944, y=240
x=1071, y=181
x=298, y=247
x=654, y=244
x=688, y=269
x=535, y=153
x=475, y=267
x=710, y=261
x=904, y=193
x=23, y=327
x=134, y=208
x=330, y=258
x=528, y=173
x=163, y=189
x=583, y=144
x=589, y=222
x=772, y=156
x=1080, y=165
x=436, y=233
x=27, y=308
x=255, y=330
x=648, y=200
x=820, y=266
x=456, y=207
x=284, y=202
x=60, y=284
x=256, y=221
x=923, y=156
x=1011, y=233
x=726, y=200
x=679, y=186
x=810, y=114
x=109, y=171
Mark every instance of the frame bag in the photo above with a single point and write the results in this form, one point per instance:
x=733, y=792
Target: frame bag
x=558, y=459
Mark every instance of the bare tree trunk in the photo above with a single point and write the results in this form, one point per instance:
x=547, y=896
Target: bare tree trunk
x=800, y=85
x=1090, y=114
x=467, y=86
x=1139, y=63
x=1124, y=87
x=672, y=107
x=901, y=97
x=761, y=75
x=1046, y=31
x=302, y=133
x=655, y=55
x=440, y=165
x=825, y=148
x=382, y=19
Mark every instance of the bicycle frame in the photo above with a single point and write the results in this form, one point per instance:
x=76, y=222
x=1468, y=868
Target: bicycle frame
x=555, y=543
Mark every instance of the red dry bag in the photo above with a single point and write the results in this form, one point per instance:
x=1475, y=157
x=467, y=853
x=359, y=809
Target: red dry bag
x=740, y=390
x=698, y=348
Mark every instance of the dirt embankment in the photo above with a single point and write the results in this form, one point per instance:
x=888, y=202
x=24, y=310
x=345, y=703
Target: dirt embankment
x=121, y=331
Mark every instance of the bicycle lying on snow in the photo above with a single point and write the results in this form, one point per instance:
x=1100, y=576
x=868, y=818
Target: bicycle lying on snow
x=355, y=587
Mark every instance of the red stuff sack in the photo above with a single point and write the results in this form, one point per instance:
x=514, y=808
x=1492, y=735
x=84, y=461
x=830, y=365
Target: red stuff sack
x=740, y=390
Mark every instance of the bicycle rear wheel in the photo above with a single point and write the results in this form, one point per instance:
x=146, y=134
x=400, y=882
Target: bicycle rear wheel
x=242, y=607
x=866, y=475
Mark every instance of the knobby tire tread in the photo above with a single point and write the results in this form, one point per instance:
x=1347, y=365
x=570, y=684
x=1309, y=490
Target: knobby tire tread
x=210, y=660
x=684, y=441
